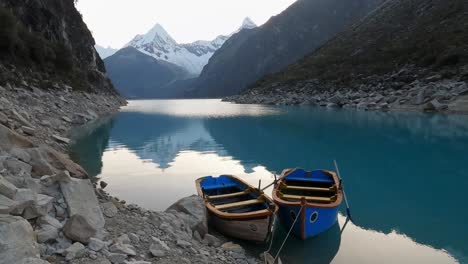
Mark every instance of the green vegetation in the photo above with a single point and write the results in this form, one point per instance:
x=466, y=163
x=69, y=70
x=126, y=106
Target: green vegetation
x=21, y=47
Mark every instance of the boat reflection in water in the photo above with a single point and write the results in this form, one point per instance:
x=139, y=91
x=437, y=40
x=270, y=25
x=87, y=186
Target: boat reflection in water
x=319, y=249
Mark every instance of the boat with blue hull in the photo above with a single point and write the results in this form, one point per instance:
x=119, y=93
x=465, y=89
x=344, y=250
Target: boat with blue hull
x=236, y=208
x=311, y=197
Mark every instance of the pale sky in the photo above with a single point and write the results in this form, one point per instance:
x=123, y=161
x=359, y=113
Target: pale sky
x=115, y=22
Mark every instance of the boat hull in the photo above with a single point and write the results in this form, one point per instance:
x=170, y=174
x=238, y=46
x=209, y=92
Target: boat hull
x=256, y=230
x=312, y=221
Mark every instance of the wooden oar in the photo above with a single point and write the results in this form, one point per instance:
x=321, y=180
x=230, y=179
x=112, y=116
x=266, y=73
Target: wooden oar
x=348, y=211
x=276, y=180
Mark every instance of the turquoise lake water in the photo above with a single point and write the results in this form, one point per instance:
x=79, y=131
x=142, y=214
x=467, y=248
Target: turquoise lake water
x=406, y=174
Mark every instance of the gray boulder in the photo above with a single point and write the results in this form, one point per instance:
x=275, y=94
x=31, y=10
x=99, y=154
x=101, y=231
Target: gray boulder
x=47, y=233
x=121, y=248
x=40, y=207
x=7, y=189
x=79, y=229
x=7, y=205
x=81, y=200
x=116, y=258
x=158, y=248
x=74, y=251
x=96, y=244
x=24, y=198
x=48, y=220
x=17, y=239
x=195, y=208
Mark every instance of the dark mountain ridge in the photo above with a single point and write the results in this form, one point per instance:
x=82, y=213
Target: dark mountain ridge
x=134, y=75
x=285, y=38
x=45, y=43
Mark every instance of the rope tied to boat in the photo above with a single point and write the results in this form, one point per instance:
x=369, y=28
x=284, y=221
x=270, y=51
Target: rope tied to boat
x=284, y=241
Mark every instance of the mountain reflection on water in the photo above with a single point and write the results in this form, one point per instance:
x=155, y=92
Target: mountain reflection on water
x=401, y=170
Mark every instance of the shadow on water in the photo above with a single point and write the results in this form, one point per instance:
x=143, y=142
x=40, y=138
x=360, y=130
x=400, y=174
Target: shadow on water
x=403, y=172
x=318, y=250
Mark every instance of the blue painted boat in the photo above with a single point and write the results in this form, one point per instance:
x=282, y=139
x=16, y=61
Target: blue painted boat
x=236, y=208
x=313, y=197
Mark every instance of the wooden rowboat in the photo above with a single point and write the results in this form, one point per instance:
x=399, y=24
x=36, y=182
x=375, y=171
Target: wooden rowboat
x=313, y=196
x=235, y=208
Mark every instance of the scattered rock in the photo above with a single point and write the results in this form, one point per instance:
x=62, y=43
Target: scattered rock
x=116, y=258
x=96, y=244
x=76, y=250
x=211, y=240
x=158, y=248
x=121, y=248
x=103, y=184
x=28, y=130
x=60, y=139
x=7, y=189
x=109, y=209
x=230, y=246
x=47, y=233
x=7, y=205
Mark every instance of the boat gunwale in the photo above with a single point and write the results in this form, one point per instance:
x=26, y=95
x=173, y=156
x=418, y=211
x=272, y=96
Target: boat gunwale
x=237, y=216
x=280, y=201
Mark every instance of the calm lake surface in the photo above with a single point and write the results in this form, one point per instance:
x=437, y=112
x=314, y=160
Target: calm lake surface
x=406, y=174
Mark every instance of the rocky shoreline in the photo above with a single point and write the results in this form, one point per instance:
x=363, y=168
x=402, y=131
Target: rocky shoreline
x=393, y=92
x=50, y=212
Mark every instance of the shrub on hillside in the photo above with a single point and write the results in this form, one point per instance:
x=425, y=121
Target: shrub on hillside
x=8, y=30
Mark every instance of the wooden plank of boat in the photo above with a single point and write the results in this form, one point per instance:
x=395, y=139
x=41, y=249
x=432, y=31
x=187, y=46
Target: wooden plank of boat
x=309, y=198
x=228, y=195
x=304, y=188
x=239, y=204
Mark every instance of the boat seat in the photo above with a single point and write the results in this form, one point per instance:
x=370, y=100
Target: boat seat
x=219, y=186
x=306, y=188
x=298, y=178
x=309, y=198
x=239, y=204
x=228, y=195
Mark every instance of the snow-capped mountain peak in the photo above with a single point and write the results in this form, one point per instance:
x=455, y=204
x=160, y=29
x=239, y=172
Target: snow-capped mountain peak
x=248, y=23
x=193, y=57
x=158, y=34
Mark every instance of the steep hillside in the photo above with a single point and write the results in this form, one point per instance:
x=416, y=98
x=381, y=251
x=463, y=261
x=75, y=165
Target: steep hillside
x=137, y=75
x=284, y=39
x=426, y=33
x=408, y=54
x=47, y=44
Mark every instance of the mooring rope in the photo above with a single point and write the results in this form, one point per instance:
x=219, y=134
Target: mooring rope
x=285, y=239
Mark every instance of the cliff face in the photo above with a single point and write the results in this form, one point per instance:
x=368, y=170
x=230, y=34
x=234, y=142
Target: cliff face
x=46, y=44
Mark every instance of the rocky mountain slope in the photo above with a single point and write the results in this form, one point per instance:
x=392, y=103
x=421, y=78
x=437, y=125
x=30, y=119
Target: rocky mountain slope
x=192, y=57
x=410, y=55
x=136, y=75
x=47, y=45
x=284, y=39
x=105, y=52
